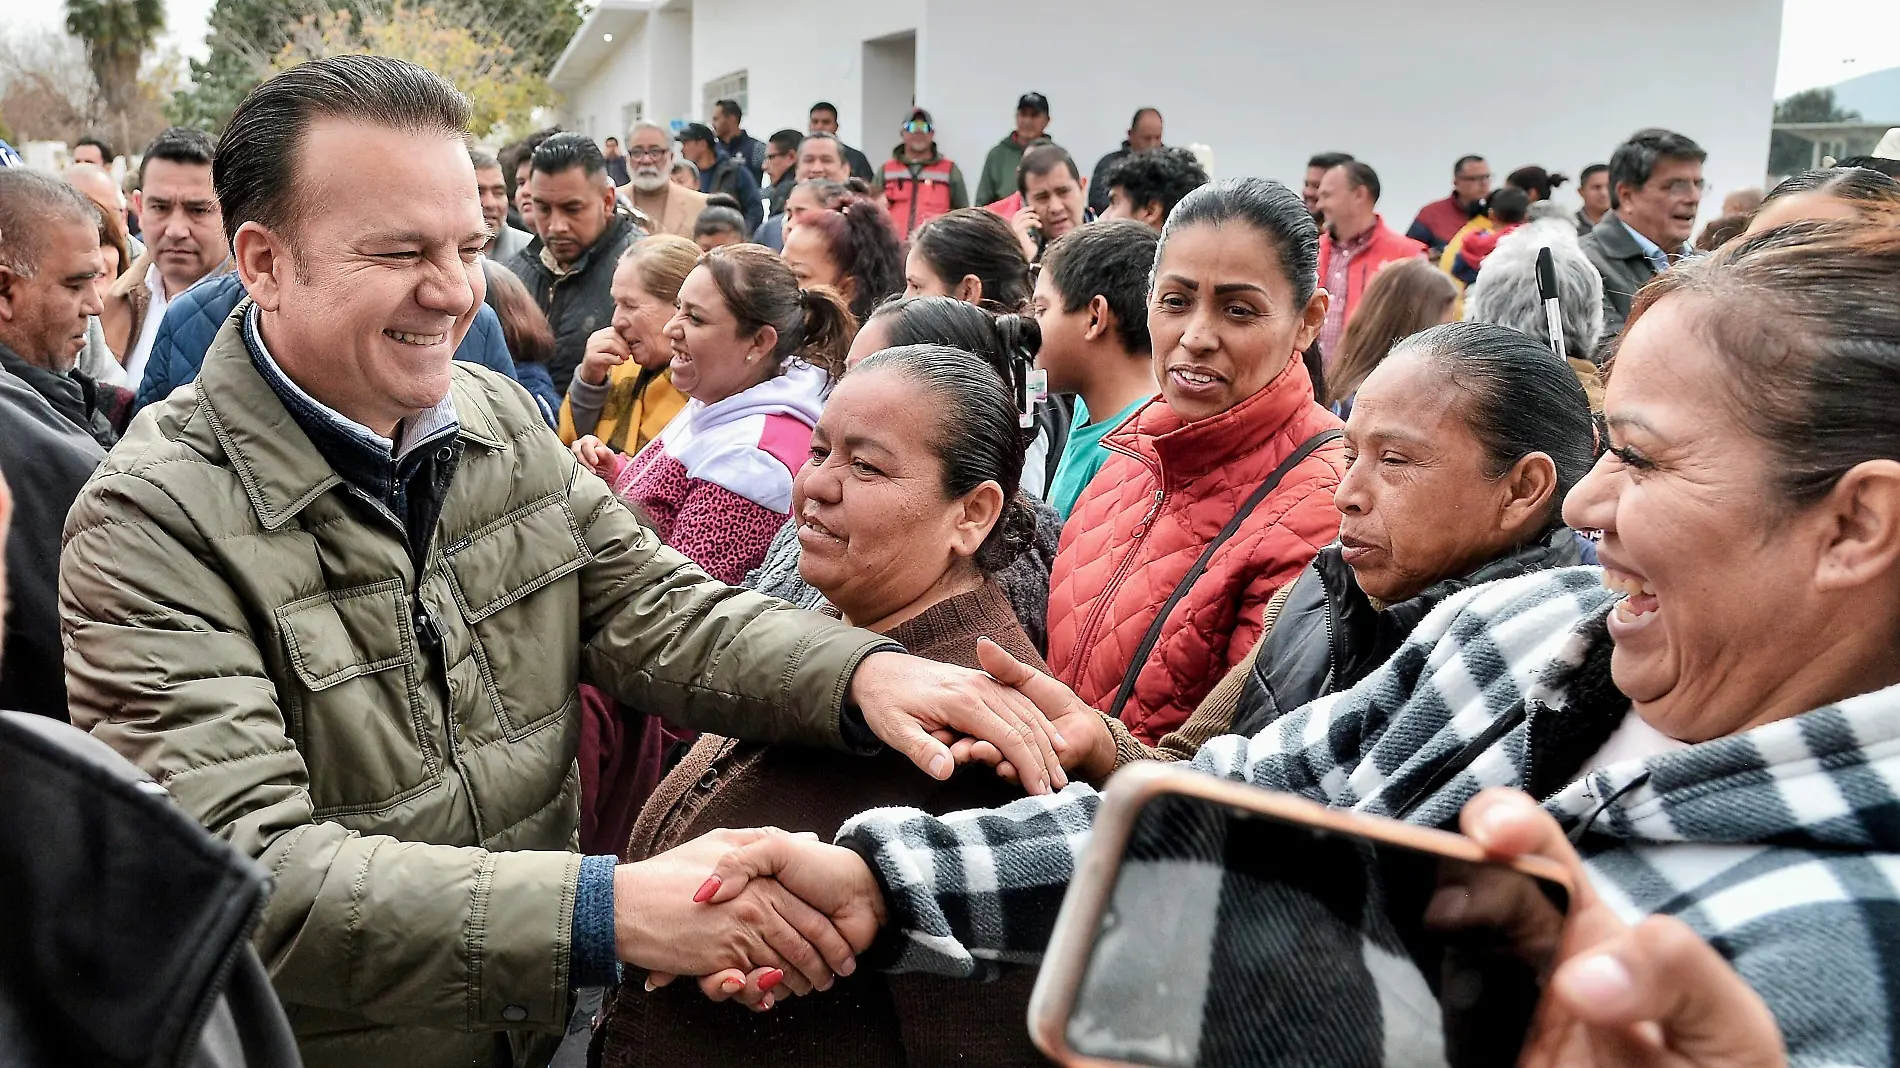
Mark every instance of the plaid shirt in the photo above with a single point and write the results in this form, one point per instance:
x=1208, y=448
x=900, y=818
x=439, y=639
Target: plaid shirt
x=1777, y=844
x=1335, y=283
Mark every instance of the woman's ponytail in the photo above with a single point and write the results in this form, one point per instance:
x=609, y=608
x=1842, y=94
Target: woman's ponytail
x=826, y=329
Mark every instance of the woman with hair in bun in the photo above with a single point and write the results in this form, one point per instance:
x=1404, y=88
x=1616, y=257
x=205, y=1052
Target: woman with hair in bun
x=852, y=248
x=755, y=355
x=907, y=510
x=994, y=339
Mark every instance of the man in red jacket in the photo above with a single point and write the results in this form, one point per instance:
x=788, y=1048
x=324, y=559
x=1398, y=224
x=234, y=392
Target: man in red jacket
x=1355, y=245
x=1440, y=221
x=919, y=183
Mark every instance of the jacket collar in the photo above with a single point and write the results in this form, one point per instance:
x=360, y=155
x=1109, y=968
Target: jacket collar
x=616, y=228
x=1187, y=450
x=1817, y=780
x=1366, y=632
x=74, y=396
x=281, y=469
x=133, y=277
x=1613, y=237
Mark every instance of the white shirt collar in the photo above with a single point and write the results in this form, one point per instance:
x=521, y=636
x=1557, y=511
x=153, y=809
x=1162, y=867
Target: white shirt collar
x=424, y=427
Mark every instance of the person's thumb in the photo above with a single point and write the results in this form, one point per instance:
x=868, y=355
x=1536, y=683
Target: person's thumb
x=1050, y=697
x=1001, y=666
x=656, y=980
x=1660, y=974
x=762, y=858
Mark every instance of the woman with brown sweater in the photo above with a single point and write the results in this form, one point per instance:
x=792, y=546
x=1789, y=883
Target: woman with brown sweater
x=906, y=509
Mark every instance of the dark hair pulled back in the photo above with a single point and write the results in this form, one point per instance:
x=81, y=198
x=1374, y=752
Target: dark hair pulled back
x=1005, y=342
x=976, y=241
x=976, y=438
x=1858, y=184
x=1803, y=319
x=814, y=325
x=860, y=239
x=1523, y=399
x=1267, y=206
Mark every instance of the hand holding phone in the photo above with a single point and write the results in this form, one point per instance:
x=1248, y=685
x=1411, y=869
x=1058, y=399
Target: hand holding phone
x=1215, y=923
x=1650, y=996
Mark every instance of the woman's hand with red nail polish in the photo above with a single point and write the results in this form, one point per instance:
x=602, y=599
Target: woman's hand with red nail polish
x=667, y=921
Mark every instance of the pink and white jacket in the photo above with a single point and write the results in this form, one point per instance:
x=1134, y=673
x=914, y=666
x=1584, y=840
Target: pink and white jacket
x=717, y=482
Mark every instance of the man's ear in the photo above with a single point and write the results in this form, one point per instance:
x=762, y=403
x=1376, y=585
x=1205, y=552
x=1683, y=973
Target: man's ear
x=1152, y=215
x=10, y=283
x=263, y=264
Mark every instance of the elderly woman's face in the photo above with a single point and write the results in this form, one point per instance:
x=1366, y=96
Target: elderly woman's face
x=1223, y=318
x=876, y=533
x=1691, y=532
x=1416, y=505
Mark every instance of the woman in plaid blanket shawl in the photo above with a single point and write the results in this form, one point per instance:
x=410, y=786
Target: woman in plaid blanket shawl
x=1714, y=714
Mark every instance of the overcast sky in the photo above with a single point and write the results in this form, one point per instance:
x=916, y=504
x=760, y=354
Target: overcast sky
x=1822, y=41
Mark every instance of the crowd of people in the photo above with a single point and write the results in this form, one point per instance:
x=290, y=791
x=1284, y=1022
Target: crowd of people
x=649, y=494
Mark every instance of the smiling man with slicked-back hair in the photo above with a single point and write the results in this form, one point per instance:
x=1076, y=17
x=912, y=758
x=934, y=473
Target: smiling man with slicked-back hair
x=338, y=597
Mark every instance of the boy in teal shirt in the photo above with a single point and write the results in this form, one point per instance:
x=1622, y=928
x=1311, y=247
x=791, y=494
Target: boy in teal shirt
x=1092, y=304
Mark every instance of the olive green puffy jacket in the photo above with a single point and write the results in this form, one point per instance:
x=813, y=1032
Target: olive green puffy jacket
x=239, y=624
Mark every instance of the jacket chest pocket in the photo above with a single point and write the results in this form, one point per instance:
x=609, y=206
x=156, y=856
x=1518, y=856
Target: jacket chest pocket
x=358, y=719
x=524, y=634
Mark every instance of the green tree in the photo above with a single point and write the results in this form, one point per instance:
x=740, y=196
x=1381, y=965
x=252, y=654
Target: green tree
x=1788, y=154
x=248, y=36
x=117, y=34
x=499, y=86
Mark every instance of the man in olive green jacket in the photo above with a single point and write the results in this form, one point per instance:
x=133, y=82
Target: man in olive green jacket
x=337, y=598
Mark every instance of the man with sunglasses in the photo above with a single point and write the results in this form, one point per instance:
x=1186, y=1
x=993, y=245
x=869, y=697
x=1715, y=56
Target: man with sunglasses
x=674, y=209
x=919, y=183
x=1656, y=189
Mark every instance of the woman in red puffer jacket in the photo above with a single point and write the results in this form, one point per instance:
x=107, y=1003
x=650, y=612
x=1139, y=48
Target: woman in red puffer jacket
x=1233, y=305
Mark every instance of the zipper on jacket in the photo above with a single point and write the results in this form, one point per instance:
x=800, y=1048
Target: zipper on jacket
x=1456, y=766
x=1086, y=637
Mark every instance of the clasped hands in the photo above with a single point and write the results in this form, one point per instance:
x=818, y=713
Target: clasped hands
x=755, y=913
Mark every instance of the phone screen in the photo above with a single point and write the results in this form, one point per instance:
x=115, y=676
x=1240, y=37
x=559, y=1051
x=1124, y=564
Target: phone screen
x=1233, y=938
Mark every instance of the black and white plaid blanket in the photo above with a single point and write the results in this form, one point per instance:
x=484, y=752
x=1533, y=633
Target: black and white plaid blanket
x=1781, y=845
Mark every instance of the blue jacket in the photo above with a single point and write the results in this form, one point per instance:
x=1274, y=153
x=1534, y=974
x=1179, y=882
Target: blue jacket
x=194, y=318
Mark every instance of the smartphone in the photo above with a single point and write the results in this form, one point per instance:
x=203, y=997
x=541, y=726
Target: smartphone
x=1216, y=924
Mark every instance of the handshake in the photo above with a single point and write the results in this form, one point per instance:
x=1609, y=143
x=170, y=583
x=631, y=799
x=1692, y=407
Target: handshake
x=753, y=913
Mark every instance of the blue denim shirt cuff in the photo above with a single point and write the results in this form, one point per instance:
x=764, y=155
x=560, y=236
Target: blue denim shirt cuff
x=594, y=960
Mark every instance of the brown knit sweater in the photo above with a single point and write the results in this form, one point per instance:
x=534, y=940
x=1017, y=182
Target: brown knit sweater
x=913, y=1021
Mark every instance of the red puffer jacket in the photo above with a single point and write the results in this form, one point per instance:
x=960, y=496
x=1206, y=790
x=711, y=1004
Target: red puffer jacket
x=1166, y=490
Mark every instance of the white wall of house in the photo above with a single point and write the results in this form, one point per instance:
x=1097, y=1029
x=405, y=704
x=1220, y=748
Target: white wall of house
x=620, y=81
x=1409, y=87
x=1419, y=84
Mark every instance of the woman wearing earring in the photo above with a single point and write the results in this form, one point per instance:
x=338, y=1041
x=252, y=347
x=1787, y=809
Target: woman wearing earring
x=755, y=354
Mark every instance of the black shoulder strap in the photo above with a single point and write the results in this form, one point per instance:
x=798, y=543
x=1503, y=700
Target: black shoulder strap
x=1194, y=573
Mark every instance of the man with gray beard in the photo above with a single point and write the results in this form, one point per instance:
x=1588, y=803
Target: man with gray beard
x=673, y=208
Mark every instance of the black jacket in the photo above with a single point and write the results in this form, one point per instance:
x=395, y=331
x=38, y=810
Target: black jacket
x=1098, y=187
x=127, y=933
x=46, y=455
x=580, y=301
x=731, y=175
x=748, y=150
x=1329, y=634
x=859, y=163
x=1624, y=267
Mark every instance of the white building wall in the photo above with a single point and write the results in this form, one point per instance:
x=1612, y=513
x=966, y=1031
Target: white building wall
x=796, y=53
x=1406, y=85
x=1417, y=85
x=596, y=109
